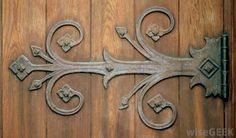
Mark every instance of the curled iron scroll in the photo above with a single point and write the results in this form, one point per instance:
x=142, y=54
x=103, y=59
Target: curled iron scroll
x=154, y=56
x=51, y=32
x=60, y=73
x=153, y=53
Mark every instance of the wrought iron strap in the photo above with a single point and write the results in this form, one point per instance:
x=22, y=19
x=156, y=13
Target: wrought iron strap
x=207, y=66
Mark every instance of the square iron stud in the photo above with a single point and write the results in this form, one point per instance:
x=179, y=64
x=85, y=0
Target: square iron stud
x=66, y=42
x=208, y=68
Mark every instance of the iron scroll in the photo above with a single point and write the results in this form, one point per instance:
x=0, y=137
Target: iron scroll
x=207, y=66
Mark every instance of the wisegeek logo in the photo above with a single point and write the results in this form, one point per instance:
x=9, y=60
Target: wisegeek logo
x=213, y=132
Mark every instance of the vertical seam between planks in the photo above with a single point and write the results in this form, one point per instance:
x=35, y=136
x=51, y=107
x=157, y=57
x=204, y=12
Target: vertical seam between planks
x=232, y=84
x=234, y=31
x=179, y=55
x=46, y=114
x=90, y=76
x=134, y=104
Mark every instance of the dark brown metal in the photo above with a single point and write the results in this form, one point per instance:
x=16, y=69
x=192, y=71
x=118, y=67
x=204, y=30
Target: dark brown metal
x=207, y=66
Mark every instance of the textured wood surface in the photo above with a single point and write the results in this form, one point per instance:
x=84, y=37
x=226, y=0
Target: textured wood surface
x=232, y=113
x=229, y=26
x=25, y=114
x=234, y=65
x=1, y=80
x=107, y=120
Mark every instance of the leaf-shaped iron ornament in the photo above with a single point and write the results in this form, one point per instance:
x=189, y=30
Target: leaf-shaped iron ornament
x=207, y=66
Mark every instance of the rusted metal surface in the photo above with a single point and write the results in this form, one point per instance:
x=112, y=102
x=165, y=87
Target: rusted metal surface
x=207, y=66
x=158, y=103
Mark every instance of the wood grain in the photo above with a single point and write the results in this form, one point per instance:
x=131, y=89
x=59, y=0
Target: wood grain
x=230, y=27
x=234, y=67
x=229, y=24
x=26, y=22
x=194, y=27
x=168, y=45
x=23, y=112
x=107, y=120
x=77, y=125
x=1, y=64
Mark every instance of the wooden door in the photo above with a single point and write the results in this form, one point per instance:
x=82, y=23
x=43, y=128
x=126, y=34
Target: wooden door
x=27, y=22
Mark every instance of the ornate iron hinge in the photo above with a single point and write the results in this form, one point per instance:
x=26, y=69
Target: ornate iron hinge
x=207, y=66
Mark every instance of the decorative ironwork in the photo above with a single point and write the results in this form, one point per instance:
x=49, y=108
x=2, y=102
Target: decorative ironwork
x=155, y=32
x=207, y=66
x=66, y=93
x=21, y=67
x=66, y=42
x=158, y=103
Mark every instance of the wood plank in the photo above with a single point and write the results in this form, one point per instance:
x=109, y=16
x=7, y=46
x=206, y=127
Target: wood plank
x=1, y=64
x=228, y=27
x=233, y=67
x=168, y=45
x=107, y=121
x=198, y=19
x=230, y=119
x=77, y=125
x=23, y=112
